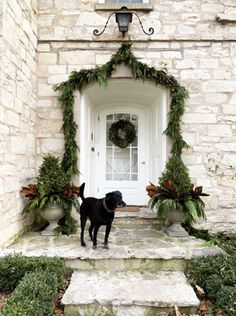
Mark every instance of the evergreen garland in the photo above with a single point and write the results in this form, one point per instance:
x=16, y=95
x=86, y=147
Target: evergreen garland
x=79, y=80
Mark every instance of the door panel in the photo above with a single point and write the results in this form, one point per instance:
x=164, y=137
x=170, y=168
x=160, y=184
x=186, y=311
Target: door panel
x=122, y=169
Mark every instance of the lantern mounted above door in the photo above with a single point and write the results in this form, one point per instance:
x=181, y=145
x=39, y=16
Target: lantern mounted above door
x=123, y=19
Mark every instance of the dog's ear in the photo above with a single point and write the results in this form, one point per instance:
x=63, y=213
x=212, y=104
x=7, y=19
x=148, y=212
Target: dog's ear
x=109, y=195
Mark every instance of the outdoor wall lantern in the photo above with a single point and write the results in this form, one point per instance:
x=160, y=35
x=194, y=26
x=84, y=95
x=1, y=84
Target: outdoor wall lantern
x=123, y=19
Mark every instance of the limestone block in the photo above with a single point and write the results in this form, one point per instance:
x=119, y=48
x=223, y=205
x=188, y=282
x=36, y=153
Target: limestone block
x=58, y=78
x=7, y=99
x=77, y=57
x=211, y=201
x=172, y=54
x=12, y=118
x=51, y=145
x=226, y=146
x=47, y=58
x=185, y=64
x=206, y=108
x=199, y=118
x=43, y=47
x=67, y=5
x=228, y=119
x=229, y=159
x=209, y=63
x=57, y=69
x=219, y=130
x=45, y=20
x=45, y=103
x=31, y=142
x=45, y=90
x=45, y=4
x=10, y=184
x=169, y=29
x=42, y=71
x=49, y=126
x=219, y=86
x=18, y=145
x=197, y=171
x=215, y=98
x=192, y=159
x=194, y=74
x=2, y=114
x=227, y=181
x=102, y=58
x=190, y=138
x=226, y=201
x=233, y=99
x=4, y=130
x=2, y=188
x=6, y=169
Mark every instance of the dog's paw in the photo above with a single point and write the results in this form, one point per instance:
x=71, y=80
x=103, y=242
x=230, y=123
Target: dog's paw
x=94, y=247
x=83, y=244
x=105, y=246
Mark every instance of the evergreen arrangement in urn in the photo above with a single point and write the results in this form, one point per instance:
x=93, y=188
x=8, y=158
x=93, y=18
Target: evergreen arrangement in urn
x=53, y=187
x=176, y=192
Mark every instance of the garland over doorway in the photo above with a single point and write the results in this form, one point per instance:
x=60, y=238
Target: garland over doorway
x=101, y=75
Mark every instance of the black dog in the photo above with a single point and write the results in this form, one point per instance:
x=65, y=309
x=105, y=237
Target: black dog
x=100, y=212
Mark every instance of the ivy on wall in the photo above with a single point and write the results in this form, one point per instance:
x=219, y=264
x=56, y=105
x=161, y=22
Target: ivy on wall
x=101, y=75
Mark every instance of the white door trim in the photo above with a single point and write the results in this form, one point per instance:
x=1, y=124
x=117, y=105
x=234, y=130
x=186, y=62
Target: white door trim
x=153, y=99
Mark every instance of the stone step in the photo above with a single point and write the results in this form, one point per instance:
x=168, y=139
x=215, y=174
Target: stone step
x=143, y=216
x=136, y=247
x=141, y=247
x=128, y=294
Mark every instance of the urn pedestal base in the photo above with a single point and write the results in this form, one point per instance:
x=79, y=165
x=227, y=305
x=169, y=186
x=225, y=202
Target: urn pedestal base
x=173, y=226
x=52, y=215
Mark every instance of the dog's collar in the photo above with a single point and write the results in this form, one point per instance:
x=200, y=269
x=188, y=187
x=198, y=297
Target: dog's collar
x=106, y=208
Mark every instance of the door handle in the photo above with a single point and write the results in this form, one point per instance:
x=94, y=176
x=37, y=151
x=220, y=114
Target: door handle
x=143, y=162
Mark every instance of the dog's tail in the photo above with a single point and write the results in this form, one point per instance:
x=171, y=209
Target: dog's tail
x=81, y=191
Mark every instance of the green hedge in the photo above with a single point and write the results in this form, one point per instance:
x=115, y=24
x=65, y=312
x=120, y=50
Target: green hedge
x=14, y=267
x=34, y=295
x=34, y=281
x=217, y=275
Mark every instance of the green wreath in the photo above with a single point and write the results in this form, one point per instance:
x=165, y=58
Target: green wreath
x=128, y=128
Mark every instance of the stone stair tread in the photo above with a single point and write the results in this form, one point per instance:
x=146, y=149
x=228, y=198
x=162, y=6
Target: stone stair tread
x=164, y=289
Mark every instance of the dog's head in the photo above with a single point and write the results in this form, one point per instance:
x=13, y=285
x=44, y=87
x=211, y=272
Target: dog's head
x=114, y=200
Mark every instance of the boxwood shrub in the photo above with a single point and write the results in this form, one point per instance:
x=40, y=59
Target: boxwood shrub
x=34, y=295
x=34, y=281
x=217, y=275
x=14, y=267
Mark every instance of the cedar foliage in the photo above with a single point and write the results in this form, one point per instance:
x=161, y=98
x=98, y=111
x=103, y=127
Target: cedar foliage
x=176, y=192
x=53, y=187
x=101, y=75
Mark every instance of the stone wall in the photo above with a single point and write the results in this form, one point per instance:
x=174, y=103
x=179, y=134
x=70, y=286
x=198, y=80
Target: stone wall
x=192, y=44
x=18, y=41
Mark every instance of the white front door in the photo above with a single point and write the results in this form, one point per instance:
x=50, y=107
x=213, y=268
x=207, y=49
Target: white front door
x=122, y=169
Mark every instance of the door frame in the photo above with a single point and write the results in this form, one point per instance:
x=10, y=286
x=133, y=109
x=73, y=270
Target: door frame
x=156, y=113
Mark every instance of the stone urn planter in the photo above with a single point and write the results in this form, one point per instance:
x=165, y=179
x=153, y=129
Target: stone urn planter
x=173, y=226
x=52, y=214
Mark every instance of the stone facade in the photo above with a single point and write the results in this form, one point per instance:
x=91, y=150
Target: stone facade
x=195, y=40
x=18, y=43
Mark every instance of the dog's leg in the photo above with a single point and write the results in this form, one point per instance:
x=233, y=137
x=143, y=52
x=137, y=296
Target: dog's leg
x=95, y=233
x=108, y=229
x=82, y=226
x=91, y=231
